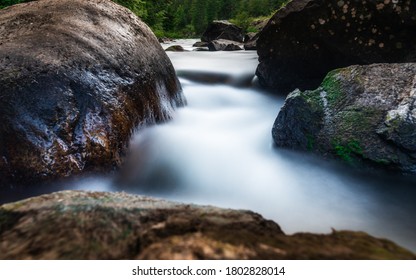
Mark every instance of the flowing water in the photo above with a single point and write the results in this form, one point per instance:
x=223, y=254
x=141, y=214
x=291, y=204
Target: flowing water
x=218, y=151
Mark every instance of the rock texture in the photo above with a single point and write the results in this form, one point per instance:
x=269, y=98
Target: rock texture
x=364, y=115
x=222, y=29
x=175, y=48
x=76, y=78
x=306, y=39
x=83, y=225
x=224, y=45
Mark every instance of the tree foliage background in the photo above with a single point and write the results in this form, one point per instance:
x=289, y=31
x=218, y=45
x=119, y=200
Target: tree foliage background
x=187, y=18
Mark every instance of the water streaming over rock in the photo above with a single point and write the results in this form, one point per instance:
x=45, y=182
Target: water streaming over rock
x=218, y=150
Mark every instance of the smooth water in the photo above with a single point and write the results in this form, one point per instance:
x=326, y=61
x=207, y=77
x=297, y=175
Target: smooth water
x=218, y=150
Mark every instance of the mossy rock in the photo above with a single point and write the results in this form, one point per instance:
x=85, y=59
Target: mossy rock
x=362, y=115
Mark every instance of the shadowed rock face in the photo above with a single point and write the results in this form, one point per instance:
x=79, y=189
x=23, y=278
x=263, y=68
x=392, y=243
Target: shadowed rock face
x=221, y=29
x=363, y=115
x=92, y=225
x=308, y=38
x=76, y=78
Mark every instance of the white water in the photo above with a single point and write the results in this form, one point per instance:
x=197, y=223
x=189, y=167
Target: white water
x=218, y=151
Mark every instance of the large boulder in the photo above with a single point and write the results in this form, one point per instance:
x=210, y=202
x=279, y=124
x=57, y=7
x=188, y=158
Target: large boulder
x=84, y=225
x=363, y=115
x=76, y=78
x=306, y=39
x=222, y=29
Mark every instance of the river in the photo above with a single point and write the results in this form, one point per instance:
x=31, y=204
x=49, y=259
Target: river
x=218, y=151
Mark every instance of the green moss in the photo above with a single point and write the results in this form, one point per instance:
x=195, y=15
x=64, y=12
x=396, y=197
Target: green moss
x=348, y=150
x=332, y=87
x=311, y=142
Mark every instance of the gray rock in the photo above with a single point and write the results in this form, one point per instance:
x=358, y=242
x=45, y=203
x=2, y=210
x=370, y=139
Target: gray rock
x=200, y=45
x=363, y=115
x=306, y=39
x=92, y=225
x=224, y=45
x=76, y=78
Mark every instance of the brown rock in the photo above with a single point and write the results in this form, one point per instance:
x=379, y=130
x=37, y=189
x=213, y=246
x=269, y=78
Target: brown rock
x=91, y=225
x=76, y=78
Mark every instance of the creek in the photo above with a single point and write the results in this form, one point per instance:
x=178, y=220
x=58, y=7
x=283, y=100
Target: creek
x=218, y=151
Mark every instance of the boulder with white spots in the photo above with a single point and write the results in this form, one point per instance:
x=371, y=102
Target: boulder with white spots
x=308, y=38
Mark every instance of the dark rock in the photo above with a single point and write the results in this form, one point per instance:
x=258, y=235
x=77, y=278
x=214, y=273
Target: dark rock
x=200, y=45
x=201, y=49
x=224, y=45
x=165, y=40
x=175, y=48
x=91, y=225
x=251, y=45
x=76, y=78
x=306, y=39
x=363, y=115
x=222, y=29
x=249, y=36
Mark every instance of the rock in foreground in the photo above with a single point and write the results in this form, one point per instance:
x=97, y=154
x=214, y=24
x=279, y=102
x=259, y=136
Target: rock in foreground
x=84, y=225
x=308, y=38
x=76, y=78
x=364, y=115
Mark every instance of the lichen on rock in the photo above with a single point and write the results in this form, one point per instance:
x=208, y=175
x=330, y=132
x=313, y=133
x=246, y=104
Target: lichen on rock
x=363, y=115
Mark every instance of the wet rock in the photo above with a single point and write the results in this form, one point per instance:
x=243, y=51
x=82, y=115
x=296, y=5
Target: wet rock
x=201, y=49
x=362, y=115
x=224, y=45
x=200, y=45
x=175, y=48
x=249, y=36
x=306, y=39
x=76, y=78
x=222, y=29
x=251, y=44
x=92, y=225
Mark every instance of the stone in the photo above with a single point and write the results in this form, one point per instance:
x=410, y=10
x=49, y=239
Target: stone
x=306, y=39
x=224, y=45
x=98, y=225
x=362, y=115
x=200, y=45
x=76, y=79
x=222, y=29
x=175, y=48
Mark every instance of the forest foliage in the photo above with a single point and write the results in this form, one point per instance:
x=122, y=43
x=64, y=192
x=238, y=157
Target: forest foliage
x=189, y=18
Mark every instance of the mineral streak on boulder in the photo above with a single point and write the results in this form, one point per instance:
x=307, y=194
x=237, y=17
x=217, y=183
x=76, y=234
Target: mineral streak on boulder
x=76, y=78
x=308, y=38
x=363, y=115
x=91, y=225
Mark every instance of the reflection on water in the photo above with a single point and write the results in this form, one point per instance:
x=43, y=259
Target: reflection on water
x=219, y=151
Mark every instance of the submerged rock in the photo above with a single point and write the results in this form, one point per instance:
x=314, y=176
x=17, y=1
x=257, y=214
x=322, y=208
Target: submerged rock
x=92, y=225
x=76, y=78
x=363, y=115
x=306, y=39
x=222, y=29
